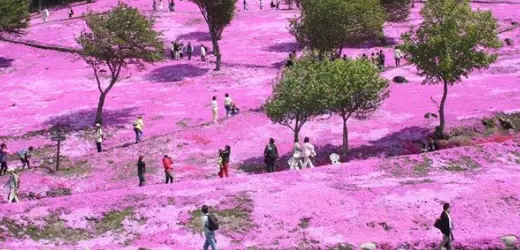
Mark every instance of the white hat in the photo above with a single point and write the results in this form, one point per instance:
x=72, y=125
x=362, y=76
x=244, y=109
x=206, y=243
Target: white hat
x=98, y=125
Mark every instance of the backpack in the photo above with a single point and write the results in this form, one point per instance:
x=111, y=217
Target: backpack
x=213, y=222
x=437, y=223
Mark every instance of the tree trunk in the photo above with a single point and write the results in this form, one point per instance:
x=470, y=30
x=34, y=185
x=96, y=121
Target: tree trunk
x=101, y=103
x=296, y=134
x=439, y=131
x=40, y=6
x=345, y=136
x=216, y=49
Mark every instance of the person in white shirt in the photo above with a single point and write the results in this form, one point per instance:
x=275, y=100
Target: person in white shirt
x=227, y=104
x=99, y=137
x=45, y=15
x=14, y=184
x=214, y=109
x=297, y=154
x=206, y=232
x=397, y=56
x=203, y=53
x=308, y=153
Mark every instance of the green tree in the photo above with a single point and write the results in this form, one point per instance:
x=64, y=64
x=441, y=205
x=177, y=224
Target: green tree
x=297, y=97
x=355, y=89
x=120, y=37
x=328, y=25
x=397, y=10
x=452, y=41
x=14, y=15
x=218, y=14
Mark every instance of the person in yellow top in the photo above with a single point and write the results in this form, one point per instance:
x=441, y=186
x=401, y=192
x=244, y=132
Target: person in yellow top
x=138, y=128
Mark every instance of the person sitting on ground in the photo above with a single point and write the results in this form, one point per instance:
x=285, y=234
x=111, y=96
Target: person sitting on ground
x=25, y=157
x=234, y=109
x=432, y=145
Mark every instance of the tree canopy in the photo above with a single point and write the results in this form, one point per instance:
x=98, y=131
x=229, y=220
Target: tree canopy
x=218, y=14
x=14, y=15
x=396, y=10
x=121, y=37
x=452, y=41
x=329, y=25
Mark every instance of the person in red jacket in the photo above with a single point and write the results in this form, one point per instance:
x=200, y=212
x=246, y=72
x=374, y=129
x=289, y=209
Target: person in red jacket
x=225, y=161
x=168, y=168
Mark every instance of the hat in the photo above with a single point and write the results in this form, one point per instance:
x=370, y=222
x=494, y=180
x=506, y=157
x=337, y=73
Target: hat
x=98, y=125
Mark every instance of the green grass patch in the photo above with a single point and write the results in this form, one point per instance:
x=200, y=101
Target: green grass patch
x=304, y=222
x=422, y=168
x=416, y=182
x=112, y=221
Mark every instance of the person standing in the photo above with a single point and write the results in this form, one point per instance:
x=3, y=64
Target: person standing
x=270, y=155
x=245, y=5
x=202, y=53
x=227, y=104
x=154, y=6
x=308, y=153
x=272, y=4
x=3, y=158
x=261, y=5
x=210, y=224
x=71, y=12
x=224, y=154
x=168, y=168
x=141, y=170
x=99, y=137
x=138, y=129
x=25, y=157
x=446, y=227
x=397, y=56
x=14, y=185
x=214, y=109
x=161, y=6
x=297, y=154
x=171, y=6
x=45, y=15
x=382, y=60
x=189, y=50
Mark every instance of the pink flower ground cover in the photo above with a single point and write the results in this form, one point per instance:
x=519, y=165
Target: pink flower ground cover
x=390, y=201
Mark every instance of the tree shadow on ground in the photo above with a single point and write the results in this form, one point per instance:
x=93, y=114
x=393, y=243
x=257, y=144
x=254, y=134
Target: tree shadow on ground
x=5, y=62
x=382, y=42
x=283, y=47
x=198, y=36
x=80, y=119
x=175, y=73
x=402, y=142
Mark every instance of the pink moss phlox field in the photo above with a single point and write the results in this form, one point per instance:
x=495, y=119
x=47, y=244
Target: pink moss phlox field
x=387, y=193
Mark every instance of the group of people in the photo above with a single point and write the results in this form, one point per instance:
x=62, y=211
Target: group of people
x=160, y=7
x=275, y=4
x=379, y=58
x=167, y=162
x=14, y=180
x=178, y=50
x=229, y=105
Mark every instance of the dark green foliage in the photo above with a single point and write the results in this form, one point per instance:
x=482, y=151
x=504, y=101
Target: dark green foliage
x=396, y=10
x=14, y=15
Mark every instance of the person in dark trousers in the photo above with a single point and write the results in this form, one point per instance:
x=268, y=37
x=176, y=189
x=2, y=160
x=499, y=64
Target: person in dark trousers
x=272, y=4
x=141, y=170
x=25, y=157
x=432, y=145
x=168, y=168
x=171, y=6
x=224, y=171
x=270, y=155
x=382, y=60
x=446, y=227
x=3, y=158
x=71, y=12
x=99, y=137
x=209, y=235
x=189, y=51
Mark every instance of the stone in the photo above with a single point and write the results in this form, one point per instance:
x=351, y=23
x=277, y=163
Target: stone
x=368, y=246
x=343, y=246
x=509, y=241
x=430, y=115
x=400, y=79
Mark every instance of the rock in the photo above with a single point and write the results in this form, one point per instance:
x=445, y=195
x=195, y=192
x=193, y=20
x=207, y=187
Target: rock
x=506, y=123
x=400, y=79
x=368, y=246
x=514, y=23
x=509, y=42
x=345, y=246
x=509, y=241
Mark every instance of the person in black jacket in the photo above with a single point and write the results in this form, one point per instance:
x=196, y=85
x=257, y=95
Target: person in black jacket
x=270, y=155
x=141, y=170
x=225, y=161
x=446, y=227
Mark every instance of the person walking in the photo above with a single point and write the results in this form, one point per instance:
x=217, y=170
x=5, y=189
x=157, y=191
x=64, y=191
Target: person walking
x=297, y=154
x=168, y=168
x=71, y=12
x=272, y=4
x=224, y=154
x=397, y=56
x=210, y=224
x=245, y=5
x=25, y=157
x=99, y=137
x=138, y=129
x=445, y=224
x=14, y=185
x=270, y=155
x=171, y=5
x=382, y=60
x=189, y=50
x=3, y=158
x=141, y=170
x=154, y=6
x=214, y=109
x=202, y=53
x=308, y=153
x=227, y=104
x=45, y=15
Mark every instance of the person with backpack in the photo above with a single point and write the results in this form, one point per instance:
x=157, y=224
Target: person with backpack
x=14, y=185
x=210, y=224
x=3, y=158
x=141, y=170
x=445, y=224
x=224, y=154
x=25, y=157
x=168, y=168
x=308, y=153
x=138, y=128
x=381, y=60
x=270, y=155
